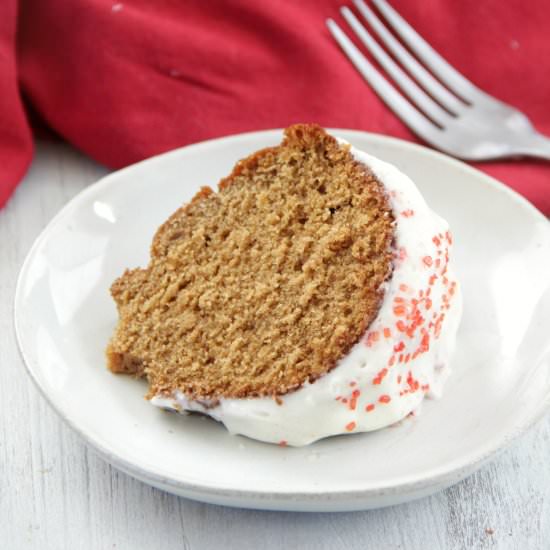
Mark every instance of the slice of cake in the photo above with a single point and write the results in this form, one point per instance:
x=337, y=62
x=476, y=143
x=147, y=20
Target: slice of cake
x=310, y=296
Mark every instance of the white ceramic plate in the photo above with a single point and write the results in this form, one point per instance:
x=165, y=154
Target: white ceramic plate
x=500, y=385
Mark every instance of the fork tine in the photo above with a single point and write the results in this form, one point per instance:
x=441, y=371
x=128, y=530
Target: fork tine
x=421, y=99
x=448, y=74
x=445, y=98
x=417, y=122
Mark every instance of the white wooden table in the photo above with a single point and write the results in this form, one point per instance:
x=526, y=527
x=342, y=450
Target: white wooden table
x=56, y=494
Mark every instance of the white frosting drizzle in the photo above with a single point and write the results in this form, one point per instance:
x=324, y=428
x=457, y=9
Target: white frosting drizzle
x=403, y=356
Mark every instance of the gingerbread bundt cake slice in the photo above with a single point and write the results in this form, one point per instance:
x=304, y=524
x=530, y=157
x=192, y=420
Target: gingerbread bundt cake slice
x=312, y=295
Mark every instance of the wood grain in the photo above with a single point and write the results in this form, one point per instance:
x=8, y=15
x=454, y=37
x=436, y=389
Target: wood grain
x=56, y=494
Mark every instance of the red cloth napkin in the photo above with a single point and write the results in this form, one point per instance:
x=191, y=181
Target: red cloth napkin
x=123, y=80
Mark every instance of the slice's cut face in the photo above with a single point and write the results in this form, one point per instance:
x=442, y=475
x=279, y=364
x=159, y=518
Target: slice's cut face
x=264, y=285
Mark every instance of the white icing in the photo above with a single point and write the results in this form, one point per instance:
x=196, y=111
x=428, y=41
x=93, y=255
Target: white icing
x=328, y=406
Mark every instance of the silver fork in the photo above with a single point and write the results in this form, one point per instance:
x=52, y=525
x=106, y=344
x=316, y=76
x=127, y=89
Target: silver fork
x=461, y=120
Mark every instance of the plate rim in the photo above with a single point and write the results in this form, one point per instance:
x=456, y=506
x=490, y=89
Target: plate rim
x=405, y=486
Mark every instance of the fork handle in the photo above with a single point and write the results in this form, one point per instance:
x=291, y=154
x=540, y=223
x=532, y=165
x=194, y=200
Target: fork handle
x=538, y=146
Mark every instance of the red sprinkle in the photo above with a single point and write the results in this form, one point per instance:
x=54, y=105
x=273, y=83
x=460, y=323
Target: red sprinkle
x=350, y=427
x=399, y=347
x=400, y=310
x=407, y=213
x=369, y=407
x=424, y=343
x=384, y=399
x=387, y=333
x=391, y=361
x=372, y=338
x=438, y=324
x=283, y=443
x=427, y=260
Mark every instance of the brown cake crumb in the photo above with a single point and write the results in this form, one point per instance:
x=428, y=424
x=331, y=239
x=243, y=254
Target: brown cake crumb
x=258, y=288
